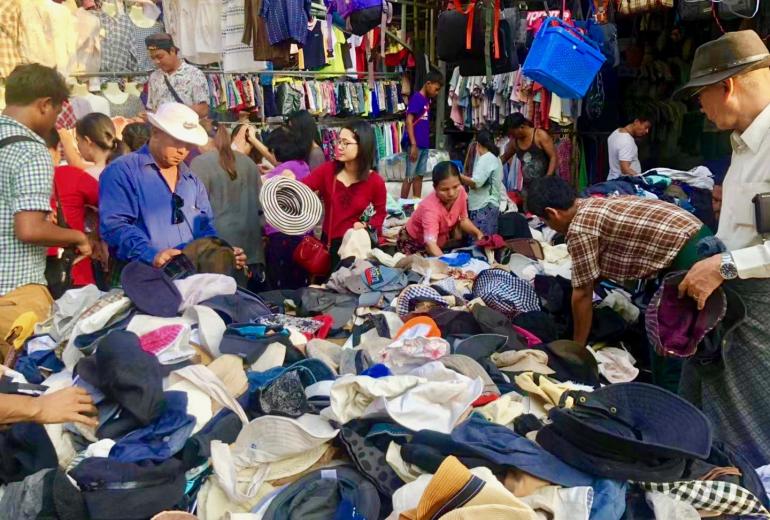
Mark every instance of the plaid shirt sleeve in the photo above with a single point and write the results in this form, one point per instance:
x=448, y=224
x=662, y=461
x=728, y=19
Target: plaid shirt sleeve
x=33, y=181
x=584, y=250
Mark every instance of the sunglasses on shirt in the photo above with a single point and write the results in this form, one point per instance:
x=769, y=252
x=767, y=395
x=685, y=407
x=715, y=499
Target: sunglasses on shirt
x=177, y=203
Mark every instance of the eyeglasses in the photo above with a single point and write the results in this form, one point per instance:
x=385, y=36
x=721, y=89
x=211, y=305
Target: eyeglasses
x=343, y=145
x=177, y=203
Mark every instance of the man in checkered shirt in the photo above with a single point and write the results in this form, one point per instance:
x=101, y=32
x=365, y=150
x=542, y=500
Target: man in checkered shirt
x=620, y=238
x=34, y=95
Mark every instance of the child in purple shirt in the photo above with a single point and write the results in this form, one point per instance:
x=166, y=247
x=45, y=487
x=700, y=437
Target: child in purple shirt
x=416, y=139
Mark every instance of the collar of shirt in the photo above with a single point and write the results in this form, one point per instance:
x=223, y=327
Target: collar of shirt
x=5, y=120
x=753, y=137
x=180, y=71
x=147, y=159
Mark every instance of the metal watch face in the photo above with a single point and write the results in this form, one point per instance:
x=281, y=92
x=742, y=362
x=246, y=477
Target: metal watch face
x=728, y=271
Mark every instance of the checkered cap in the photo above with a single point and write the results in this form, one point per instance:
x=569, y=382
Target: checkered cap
x=417, y=293
x=714, y=496
x=505, y=292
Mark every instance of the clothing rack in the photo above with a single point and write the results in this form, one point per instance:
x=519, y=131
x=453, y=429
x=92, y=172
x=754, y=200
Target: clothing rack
x=308, y=74
x=114, y=74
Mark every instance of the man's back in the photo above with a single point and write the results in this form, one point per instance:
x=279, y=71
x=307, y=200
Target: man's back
x=625, y=238
x=26, y=173
x=621, y=146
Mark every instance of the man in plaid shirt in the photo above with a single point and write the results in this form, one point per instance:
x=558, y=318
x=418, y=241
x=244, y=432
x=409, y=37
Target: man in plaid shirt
x=34, y=96
x=621, y=238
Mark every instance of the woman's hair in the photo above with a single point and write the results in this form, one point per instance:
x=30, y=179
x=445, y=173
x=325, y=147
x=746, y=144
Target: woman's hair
x=443, y=171
x=101, y=131
x=487, y=140
x=285, y=146
x=224, y=145
x=303, y=125
x=136, y=135
x=254, y=155
x=364, y=134
x=517, y=120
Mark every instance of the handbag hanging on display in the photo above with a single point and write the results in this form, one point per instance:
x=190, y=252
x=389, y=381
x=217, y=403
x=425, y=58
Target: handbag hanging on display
x=311, y=254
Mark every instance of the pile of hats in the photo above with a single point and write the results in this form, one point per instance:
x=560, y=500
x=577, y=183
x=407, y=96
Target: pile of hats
x=410, y=391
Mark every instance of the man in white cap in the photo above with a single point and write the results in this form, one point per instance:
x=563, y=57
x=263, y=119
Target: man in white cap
x=731, y=78
x=151, y=204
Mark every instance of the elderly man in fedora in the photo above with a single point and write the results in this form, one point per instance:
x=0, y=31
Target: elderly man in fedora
x=150, y=203
x=731, y=79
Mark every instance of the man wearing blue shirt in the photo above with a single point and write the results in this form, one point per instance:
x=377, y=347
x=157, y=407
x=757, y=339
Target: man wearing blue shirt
x=150, y=203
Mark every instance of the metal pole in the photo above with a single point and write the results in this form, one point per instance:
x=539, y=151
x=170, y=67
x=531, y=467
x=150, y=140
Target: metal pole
x=441, y=109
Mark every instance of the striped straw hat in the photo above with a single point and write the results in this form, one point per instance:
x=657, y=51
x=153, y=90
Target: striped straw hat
x=290, y=206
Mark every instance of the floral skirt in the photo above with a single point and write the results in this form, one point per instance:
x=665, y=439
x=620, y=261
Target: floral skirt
x=485, y=219
x=408, y=245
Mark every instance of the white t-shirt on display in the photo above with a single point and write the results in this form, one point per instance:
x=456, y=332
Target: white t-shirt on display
x=622, y=147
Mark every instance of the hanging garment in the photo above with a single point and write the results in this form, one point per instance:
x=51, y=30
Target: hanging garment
x=236, y=56
x=88, y=57
x=117, y=42
x=139, y=51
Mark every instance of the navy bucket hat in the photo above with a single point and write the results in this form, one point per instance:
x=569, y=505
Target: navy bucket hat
x=635, y=420
x=674, y=325
x=151, y=290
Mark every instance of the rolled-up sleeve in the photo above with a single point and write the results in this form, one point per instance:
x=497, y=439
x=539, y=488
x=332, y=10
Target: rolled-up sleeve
x=118, y=214
x=753, y=262
x=33, y=182
x=584, y=250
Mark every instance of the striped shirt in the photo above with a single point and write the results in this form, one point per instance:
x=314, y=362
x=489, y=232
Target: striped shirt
x=26, y=177
x=626, y=238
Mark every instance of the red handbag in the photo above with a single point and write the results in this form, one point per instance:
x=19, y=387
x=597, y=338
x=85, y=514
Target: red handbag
x=311, y=254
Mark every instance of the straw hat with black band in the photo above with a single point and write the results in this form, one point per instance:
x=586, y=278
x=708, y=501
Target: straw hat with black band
x=730, y=55
x=290, y=206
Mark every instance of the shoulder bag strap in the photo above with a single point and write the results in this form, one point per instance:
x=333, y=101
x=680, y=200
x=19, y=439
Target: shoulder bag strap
x=331, y=210
x=172, y=90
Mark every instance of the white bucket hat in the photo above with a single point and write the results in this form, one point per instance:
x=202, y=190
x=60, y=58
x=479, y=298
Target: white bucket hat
x=180, y=122
x=290, y=206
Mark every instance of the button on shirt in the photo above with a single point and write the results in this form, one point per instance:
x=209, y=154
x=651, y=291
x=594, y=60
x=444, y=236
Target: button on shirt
x=189, y=82
x=136, y=210
x=749, y=174
x=26, y=176
x=626, y=238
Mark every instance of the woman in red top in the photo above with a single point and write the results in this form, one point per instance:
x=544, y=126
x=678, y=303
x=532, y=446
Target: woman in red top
x=78, y=189
x=354, y=196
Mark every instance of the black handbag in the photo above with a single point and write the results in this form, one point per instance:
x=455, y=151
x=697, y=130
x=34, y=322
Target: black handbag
x=58, y=269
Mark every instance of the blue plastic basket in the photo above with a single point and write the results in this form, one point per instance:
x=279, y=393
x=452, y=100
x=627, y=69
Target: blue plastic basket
x=561, y=61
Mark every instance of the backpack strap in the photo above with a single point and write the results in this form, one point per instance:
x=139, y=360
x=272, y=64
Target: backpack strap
x=26, y=139
x=16, y=139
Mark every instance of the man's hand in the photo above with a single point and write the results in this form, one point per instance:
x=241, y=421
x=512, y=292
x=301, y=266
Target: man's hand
x=71, y=404
x=240, y=257
x=702, y=280
x=164, y=256
x=414, y=153
x=84, y=246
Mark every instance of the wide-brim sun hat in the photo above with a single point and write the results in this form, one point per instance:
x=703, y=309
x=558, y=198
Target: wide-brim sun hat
x=180, y=122
x=290, y=206
x=731, y=54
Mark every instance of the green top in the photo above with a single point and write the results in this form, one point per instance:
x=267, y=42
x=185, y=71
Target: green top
x=488, y=176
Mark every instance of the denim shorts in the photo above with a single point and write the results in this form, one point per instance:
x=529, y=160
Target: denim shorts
x=418, y=168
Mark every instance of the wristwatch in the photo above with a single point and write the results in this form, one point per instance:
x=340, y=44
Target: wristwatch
x=728, y=269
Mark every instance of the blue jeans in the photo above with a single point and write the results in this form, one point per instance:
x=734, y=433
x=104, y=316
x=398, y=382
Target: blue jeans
x=419, y=167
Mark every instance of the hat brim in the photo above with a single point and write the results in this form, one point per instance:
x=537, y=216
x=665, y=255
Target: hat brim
x=196, y=136
x=290, y=206
x=711, y=79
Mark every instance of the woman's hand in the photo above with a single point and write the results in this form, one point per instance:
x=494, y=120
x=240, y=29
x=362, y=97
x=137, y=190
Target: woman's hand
x=359, y=225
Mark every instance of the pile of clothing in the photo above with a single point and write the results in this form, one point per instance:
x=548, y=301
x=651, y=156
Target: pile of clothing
x=690, y=190
x=403, y=388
